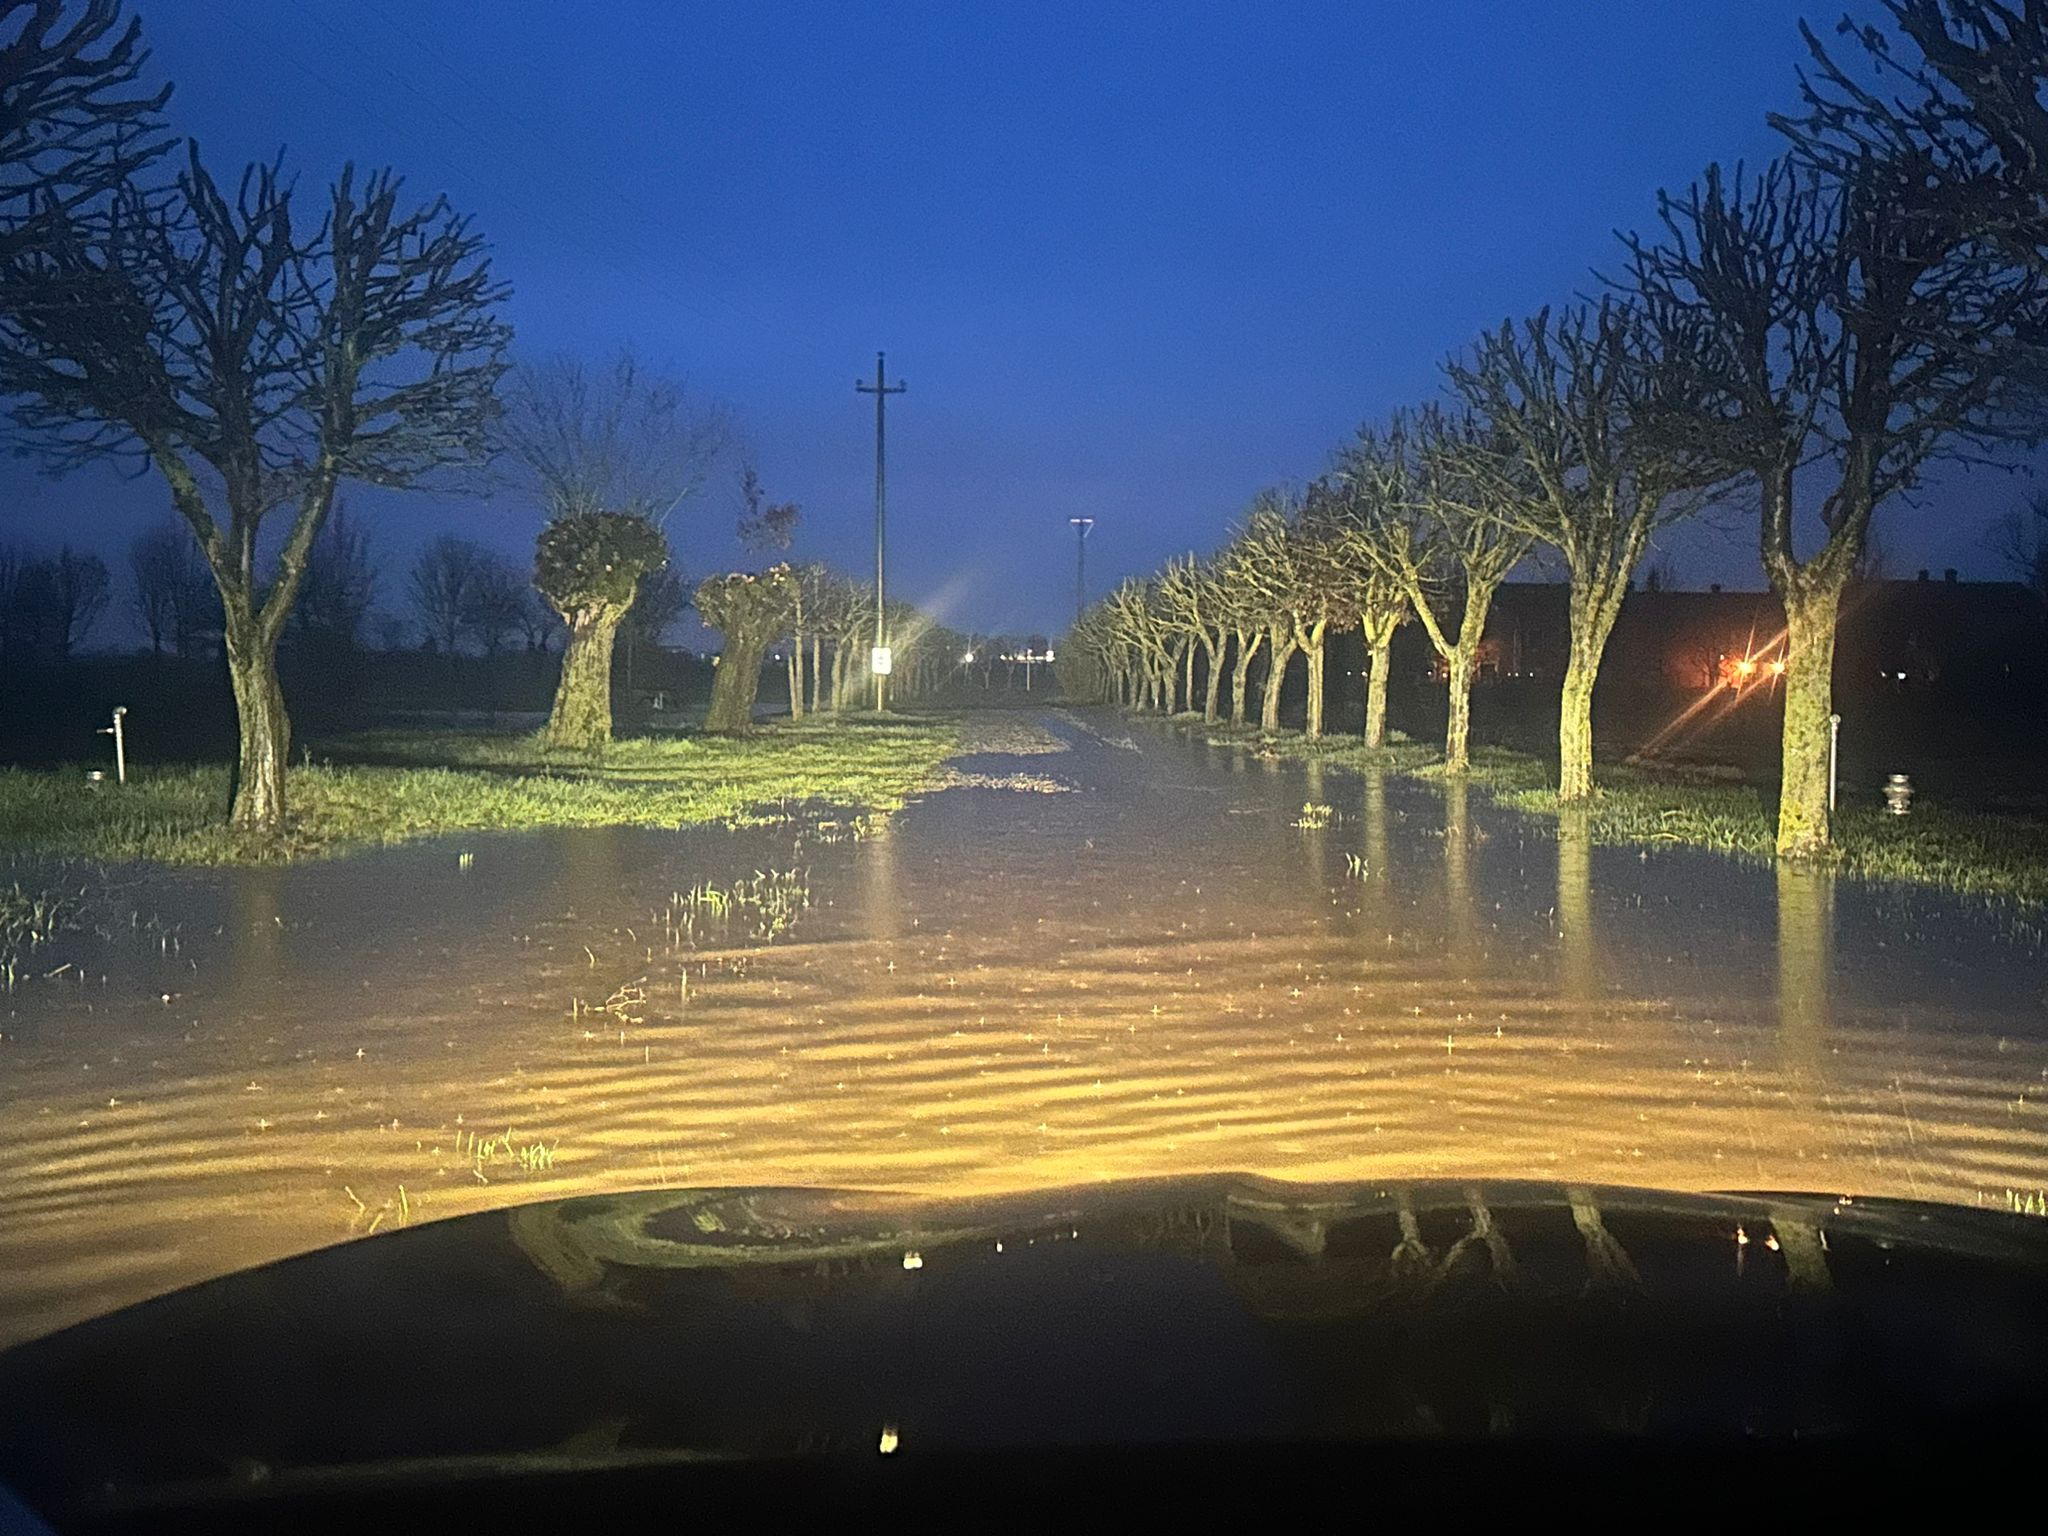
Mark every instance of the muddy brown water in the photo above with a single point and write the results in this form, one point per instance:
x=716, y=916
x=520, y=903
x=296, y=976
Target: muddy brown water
x=1103, y=952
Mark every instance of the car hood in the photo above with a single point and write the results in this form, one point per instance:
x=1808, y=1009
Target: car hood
x=712, y=1323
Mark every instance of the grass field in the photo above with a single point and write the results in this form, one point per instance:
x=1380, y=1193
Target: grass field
x=1939, y=845
x=389, y=787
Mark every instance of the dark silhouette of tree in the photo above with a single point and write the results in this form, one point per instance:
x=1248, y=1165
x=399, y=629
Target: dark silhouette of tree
x=611, y=452
x=538, y=623
x=764, y=525
x=443, y=579
x=2020, y=541
x=589, y=568
x=171, y=593
x=494, y=606
x=659, y=602
x=256, y=360
x=51, y=602
x=749, y=610
x=340, y=585
x=75, y=123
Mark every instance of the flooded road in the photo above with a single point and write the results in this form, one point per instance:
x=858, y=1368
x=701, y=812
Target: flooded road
x=1102, y=952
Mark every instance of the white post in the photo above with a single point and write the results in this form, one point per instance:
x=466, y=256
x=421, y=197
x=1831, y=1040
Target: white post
x=120, y=744
x=1834, y=741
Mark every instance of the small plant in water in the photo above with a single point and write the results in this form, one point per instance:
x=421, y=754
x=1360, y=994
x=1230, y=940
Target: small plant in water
x=28, y=920
x=2027, y=1202
x=1313, y=816
x=1354, y=866
x=505, y=1154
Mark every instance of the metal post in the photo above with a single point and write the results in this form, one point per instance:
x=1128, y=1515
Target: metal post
x=881, y=389
x=1081, y=526
x=1834, y=743
x=120, y=744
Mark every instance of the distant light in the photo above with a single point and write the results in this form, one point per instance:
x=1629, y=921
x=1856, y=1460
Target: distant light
x=1048, y=653
x=968, y=657
x=1778, y=667
x=1744, y=667
x=890, y=1440
x=913, y=1260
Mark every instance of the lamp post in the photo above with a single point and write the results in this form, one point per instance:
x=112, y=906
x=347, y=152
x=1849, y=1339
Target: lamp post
x=879, y=658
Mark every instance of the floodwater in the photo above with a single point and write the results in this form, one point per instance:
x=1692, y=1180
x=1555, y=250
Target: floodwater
x=1103, y=952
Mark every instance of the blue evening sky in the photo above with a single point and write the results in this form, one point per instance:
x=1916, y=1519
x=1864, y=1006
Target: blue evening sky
x=1134, y=261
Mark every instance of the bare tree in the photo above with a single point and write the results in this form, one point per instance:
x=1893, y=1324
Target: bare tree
x=443, y=582
x=1448, y=551
x=340, y=585
x=255, y=365
x=74, y=121
x=171, y=591
x=1563, y=464
x=1372, y=474
x=612, y=452
x=494, y=606
x=80, y=588
x=1846, y=325
x=2020, y=540
x=764, y=525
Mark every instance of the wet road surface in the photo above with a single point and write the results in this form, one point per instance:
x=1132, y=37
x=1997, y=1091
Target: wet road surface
x=1103, y=952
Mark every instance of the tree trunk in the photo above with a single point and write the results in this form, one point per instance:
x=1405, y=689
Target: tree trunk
x=841, y=669
x=266, y=730
x=1187, y=662
x=734, y=687
x=1458, y=730
x=1314, y=651
x=1592, y=621
x=1276, y=678
x=817, y=675
x=796, y=677
x=1215, y=685
x=1809, y=700
x=1379, y=652
x=1240, y=678
x=581, y=719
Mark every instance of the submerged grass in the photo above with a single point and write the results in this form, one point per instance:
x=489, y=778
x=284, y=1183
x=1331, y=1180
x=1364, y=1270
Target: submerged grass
x=1938, y=845
x=390, y=787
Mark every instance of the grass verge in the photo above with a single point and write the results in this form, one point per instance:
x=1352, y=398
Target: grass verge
x=391, y=787
x=1937, y=845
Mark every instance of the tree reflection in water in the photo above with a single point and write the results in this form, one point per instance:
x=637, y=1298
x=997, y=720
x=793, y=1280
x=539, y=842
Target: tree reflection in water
x=1458, y=865
x=1806, y=955
x=1578, y=943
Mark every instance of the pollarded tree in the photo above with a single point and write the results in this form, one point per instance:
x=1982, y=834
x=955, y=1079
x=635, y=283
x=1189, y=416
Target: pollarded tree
x=1448, y=554
x=605, y=449
x=1264, y=564
x=1244, y=612
x=588, y=566
x=256, y=365
x=1193, y=600
x=1562, y=462
x=1372, y=478
x=1845, y=325
x=750, y=611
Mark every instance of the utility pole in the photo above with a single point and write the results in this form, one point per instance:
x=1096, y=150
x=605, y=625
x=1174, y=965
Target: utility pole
x=879, y=662
x=1081, y=526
